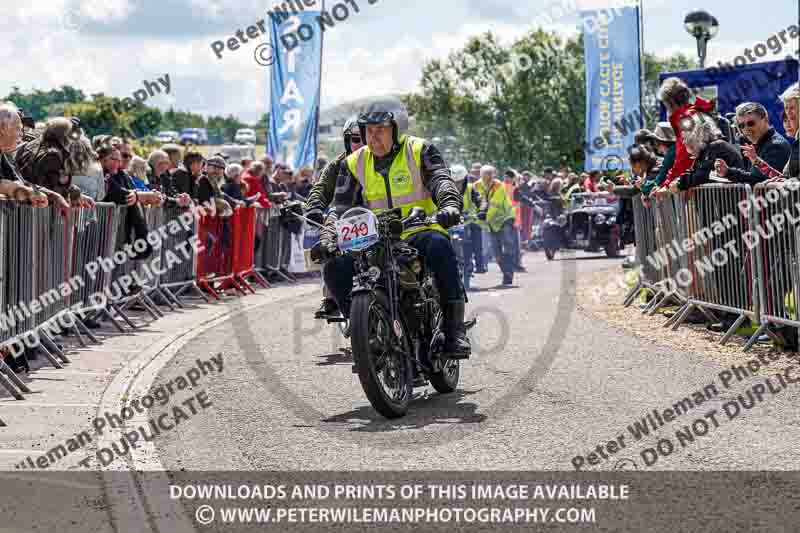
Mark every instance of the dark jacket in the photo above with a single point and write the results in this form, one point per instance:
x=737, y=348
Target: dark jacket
x=704, y=163
x=233, y=190
x=204, y=190
x=182, y=181
x=303, y=189
x=171, y=185
x=118, y=186
x=792, y=169
x=322, y=193
x=773, y=148
x=8, y=168
x=41, y=162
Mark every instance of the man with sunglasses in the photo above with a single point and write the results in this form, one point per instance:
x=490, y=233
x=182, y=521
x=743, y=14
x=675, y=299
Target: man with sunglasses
x=771, y=147
x=126, y=154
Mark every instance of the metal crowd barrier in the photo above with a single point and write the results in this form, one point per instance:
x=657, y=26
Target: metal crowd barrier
x=46, y=259
x=118, y=291
x=181, y=278
x=646, y=245
x=722, y=267
x=671, y=226
x=724, y=248
x=96, y=232
x=275, y=250
x=775, y=210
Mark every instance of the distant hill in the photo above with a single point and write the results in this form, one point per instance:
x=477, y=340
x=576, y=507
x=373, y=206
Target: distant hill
x=337, y=115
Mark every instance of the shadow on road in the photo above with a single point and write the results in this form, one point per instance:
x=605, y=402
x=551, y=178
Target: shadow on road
x=331, y=359
x=590, y=258
x=423, y=411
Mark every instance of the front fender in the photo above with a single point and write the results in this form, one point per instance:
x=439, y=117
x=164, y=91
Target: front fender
x=552, y=235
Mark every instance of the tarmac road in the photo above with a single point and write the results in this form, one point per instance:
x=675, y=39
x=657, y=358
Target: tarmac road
x=546, y=385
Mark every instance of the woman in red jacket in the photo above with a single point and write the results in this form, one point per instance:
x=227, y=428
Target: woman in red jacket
x=683, y=116
x=252, y=177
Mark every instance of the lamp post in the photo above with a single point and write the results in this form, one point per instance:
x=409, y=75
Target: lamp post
x=546, y=139
x=703, y=27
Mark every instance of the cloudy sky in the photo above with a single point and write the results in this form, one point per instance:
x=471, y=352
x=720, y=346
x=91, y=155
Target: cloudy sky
x=111, y=46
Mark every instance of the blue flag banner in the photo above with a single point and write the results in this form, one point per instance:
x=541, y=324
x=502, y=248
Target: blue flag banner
x=613, y=112
x=295, y=84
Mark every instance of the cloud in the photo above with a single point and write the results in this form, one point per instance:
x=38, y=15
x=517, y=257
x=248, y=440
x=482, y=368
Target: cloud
x=117, y=44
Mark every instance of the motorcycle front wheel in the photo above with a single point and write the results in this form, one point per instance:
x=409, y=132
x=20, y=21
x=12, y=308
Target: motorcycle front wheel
x=383, y=364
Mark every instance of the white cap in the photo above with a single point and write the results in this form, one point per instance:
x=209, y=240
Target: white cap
x=459, y=173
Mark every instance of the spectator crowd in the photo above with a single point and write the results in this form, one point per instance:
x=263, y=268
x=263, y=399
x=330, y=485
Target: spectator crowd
x=55, y=163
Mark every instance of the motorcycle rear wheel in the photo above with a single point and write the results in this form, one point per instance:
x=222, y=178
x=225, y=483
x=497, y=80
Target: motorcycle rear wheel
x=385, y=373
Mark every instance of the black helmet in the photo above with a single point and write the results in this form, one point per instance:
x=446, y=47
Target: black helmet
x=385, y=112
x=350, y=127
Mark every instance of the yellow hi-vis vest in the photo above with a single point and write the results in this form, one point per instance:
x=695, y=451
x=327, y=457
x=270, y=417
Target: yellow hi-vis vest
x=470, y=209
x=500, y=207
x=405, y=182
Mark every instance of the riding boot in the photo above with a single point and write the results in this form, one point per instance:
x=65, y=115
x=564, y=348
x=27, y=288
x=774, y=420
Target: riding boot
x=456, y=344
x=328, y=308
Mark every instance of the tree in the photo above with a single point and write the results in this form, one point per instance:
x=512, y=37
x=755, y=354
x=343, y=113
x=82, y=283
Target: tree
x=522, y=105
x=38, y=103
x=501, y=102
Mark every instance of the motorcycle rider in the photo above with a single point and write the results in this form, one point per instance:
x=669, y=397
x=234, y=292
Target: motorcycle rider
x=470, y=212
x=398, y=170
x=324, y=192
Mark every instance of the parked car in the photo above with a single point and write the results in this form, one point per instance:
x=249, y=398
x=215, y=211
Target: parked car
x=167, y=136
x=589, y=223
x=236, y=153
x=245, y=136
x=194, y=136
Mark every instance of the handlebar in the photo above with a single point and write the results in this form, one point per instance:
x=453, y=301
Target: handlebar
x=416, y=217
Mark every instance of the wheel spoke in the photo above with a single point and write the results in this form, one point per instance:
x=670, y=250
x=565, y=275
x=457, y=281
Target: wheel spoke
x=386, y=361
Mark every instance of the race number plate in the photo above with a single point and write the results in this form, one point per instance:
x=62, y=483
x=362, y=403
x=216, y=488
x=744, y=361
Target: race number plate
x=357, y=232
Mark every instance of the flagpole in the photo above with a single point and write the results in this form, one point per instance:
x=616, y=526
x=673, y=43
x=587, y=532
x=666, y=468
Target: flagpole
x=641, y=59
x=319, y=89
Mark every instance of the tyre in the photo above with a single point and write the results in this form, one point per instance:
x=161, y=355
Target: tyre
x=384, y=372
x=446, y=380
x=612, y=248
x=550, y=253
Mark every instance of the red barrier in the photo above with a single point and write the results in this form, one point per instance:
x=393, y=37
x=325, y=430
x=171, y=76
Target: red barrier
x=228, y=257
x=244, y=235
x=215, y=261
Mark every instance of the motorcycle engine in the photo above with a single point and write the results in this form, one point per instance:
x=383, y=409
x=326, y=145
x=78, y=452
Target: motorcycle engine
x=413, y=315
x=409, y=267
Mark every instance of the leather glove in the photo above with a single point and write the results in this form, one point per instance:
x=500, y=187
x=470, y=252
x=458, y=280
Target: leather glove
x=315, y=215
x=448, y=217
x=323, y=250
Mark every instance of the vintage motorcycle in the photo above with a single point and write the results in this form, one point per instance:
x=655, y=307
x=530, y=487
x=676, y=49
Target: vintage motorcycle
x=395, y=323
